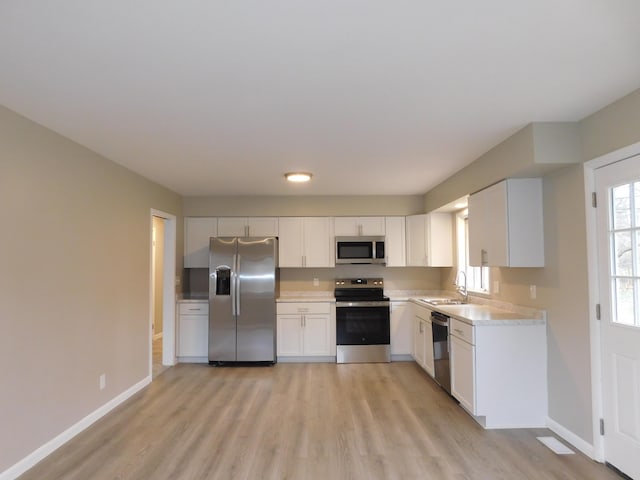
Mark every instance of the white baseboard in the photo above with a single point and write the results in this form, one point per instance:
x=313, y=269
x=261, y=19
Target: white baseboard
x=567, y=435
x=34, y=457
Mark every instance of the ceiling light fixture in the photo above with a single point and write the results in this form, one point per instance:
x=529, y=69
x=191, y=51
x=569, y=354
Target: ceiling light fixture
x=298, y=177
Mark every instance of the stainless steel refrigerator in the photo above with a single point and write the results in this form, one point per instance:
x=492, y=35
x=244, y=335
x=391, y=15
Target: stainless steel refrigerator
x=242, y=299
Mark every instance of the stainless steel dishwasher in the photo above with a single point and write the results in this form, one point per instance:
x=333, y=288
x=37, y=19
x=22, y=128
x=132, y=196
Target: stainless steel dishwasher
x=440, y=330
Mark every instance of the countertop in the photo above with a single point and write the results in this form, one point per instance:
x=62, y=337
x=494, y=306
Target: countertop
x=484, y=314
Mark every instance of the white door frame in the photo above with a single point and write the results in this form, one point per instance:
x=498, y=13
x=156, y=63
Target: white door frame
x=594, y=295
x=168, y=290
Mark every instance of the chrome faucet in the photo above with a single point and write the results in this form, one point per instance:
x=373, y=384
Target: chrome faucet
x=461, y=288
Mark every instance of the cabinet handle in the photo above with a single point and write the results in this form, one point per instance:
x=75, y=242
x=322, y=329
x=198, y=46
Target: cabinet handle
x=304, y=260
x=484, y=257
x=194, y=309
x=458, y=331
x=246, y=231
x=421, y=327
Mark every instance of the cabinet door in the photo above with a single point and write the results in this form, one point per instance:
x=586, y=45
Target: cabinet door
x=428, y=347
x=463, y=365
x=318, y=239
x=193, y=336
x=395, y=244
x=316, y=334
x=290, y=244
x=197, y=231
x=476, y=228
x=354, y=226
x=231, y=227
x=416, y=241
x=401, y=329
x=262, y=226
x=496, y=235
x=439, y=239
x=289, y=334
x=372, y=226
x=418, y=340
x=346, y=226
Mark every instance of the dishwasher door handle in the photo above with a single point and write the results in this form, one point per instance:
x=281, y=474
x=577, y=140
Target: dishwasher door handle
x=437, y=321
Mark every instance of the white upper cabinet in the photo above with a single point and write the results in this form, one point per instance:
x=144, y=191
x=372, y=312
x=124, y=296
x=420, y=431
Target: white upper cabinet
x=248, y=227
x=305, y=242
x=359, y=226
x=430, y=240
x=506, y=224
x=395, y=244
x=197, y=231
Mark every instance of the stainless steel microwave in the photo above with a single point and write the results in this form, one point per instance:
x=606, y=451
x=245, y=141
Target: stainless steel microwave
x=360, y=250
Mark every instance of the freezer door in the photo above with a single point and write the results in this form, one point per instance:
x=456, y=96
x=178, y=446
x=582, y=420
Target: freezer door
x=256, y=307
x=222, y=290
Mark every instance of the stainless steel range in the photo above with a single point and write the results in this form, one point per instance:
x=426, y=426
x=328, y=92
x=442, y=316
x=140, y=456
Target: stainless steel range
x=362, y=321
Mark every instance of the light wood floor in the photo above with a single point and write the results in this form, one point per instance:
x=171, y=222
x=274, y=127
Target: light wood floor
x=303, y=421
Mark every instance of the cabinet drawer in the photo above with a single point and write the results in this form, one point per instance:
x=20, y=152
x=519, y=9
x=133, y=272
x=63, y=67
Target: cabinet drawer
x=303, y=308
x=462, y=330
x=193, y=308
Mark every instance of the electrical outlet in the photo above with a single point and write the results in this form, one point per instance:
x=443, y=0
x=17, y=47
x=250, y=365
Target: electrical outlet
x=103, y=381
x=316, y=282
x=533, y=292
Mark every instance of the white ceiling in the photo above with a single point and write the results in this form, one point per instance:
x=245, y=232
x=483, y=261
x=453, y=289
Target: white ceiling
x=373, y=97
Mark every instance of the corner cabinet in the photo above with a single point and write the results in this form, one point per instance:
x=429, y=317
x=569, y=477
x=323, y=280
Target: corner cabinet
x=499, y=372
x=430, y=240
x=305, y=242
x=506, y=224
x=193, y=332
x=197, y=231
x=305, y=329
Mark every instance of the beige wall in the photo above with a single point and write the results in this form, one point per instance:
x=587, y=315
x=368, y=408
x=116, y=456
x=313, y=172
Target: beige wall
x=411, y=278
x=75, y=283
x=293, y=206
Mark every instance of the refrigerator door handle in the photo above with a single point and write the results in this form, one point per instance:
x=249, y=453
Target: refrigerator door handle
x=237, y=297
x=233, y=286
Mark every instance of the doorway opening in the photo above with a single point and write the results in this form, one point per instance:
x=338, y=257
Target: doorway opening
x=162, y=294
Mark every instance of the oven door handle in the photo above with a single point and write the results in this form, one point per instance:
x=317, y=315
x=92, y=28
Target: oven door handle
x=362, y=304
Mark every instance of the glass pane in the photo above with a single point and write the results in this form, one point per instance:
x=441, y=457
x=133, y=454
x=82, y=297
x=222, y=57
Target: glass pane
x=637, y=235
x=621, y=207
x=624, y=295
x=637, y=202
x=623, y=261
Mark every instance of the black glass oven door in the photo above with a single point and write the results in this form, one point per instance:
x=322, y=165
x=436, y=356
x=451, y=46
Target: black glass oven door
x=362, y=325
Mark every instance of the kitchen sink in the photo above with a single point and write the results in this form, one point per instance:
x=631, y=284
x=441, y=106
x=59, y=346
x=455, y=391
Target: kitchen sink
x=442, y=301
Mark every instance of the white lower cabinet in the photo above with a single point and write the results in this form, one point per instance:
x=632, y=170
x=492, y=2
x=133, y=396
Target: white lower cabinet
x=401, y=330
x=305, y=329
x=498, y=372
x=463, y=370
x=422, y=338
x=193, y=332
